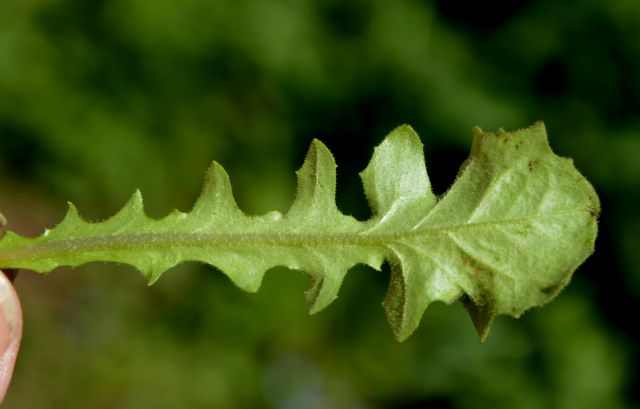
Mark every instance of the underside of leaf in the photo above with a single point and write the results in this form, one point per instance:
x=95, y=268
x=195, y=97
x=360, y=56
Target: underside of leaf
x=506, y=237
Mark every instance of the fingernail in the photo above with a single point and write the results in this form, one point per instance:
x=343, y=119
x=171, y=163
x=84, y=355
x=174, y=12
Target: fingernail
x=10, y=332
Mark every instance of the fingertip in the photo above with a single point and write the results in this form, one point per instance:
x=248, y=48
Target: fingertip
x=10, y=332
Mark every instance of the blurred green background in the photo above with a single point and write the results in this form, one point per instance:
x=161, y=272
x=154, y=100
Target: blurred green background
x=98, y=98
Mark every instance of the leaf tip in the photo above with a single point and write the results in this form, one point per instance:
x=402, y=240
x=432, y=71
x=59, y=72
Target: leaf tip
x=477, y=136
x=405, y=131
x=318, y=144
x=137, y=202
x=152, y=278
x=214, y=172
x=405, y=128
x=317, y=154
x=153, y=272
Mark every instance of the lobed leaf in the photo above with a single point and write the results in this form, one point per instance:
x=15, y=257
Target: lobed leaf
x=506, y=237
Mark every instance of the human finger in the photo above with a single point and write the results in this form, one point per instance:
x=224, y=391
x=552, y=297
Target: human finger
x=10, y=331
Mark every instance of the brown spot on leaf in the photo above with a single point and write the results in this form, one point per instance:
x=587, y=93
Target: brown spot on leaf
x=532, y=164
x=473, y=266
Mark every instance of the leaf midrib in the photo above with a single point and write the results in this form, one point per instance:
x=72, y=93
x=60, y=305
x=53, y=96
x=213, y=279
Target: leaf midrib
x=149, y=241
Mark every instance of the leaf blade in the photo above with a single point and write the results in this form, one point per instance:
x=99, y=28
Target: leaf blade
x=506, y=237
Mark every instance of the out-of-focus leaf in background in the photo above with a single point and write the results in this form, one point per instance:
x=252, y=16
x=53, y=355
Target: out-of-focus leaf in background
x=99, y=98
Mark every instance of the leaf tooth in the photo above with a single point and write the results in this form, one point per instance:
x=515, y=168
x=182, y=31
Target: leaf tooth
x=154, y=270
x=324, y=290
x=272, y=216
x=174, y=216
x=250, y=280
x=71, y=223
x=412, y=288
x=402, y=322
x=136, y=203
x=11, y=237
x=72, y=214
x=396, y=175
x=374, y=260
x=482, y=315
x=246, y=272
x=217, y=195
x=502, y=148
x=131, y=212
x=316, y=188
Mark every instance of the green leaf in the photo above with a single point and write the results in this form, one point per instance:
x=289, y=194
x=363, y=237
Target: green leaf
x=506, y=237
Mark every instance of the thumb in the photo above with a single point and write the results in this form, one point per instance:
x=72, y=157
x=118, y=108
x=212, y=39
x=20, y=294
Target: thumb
x=10, y=331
